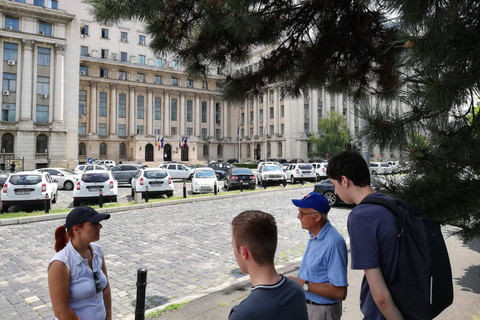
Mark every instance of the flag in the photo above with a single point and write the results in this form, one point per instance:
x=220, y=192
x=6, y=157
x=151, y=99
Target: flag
x=185, y=143
x=180, y=143
x=161, y=141
x=238, y=130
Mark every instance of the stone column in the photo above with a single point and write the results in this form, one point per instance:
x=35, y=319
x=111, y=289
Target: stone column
x=225, y=120
x=131, y=111
x=59, y=82
x=149, y=111
x=113, y=108
x=166, y=101
x=198, y=116
x=314, y=112
x=27, y=86
x=182, y=109
x=211, y=124
x=93, y=107
x=276, y=112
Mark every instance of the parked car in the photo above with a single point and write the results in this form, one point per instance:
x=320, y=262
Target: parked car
x=223, y=166
x=3, y=177
x=106, y=163
x=271, y=174
x=124, y=173
x=178, y=170
x=93, y=182
x=66, y=179
x=380, y=168
x=204, y=181
x=237, y=177
x=264, y=163
x=157, y=180
x=232, y=161
x=300, y=171
x=296, y=161
x=88, y=167
x=284, y=165
x=28, y=187
x=320, y=170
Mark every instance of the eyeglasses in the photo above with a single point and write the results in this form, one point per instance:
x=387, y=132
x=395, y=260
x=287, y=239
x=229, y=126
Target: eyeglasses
x=98, y=285
x=304, y=214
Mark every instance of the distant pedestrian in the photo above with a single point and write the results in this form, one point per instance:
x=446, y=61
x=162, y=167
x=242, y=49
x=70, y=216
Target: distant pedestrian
x=77, y=275
x=12, y=167
x=273, y=296
x=323, y=271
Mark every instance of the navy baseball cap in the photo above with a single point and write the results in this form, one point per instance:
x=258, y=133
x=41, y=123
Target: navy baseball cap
x=313, y=200
x=82, y=214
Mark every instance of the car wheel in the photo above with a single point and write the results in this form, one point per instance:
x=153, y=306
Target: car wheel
x=284, y=183
x=76, y=203
x=226, y=186
x=318, y=178
x=55, y=197
x=5, y=208
x=133, y=193
x=114, y=199
x=292, y=179
x=190, y=177
x=218, y=176
x=374, y=172
x=170, y=194
x=331, y=197
x=68, y=185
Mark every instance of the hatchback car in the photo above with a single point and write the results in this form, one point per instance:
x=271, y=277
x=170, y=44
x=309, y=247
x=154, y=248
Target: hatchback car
x=320, y=170
x=92, y=183
x=106, y=163
x=153, y=180
x=271, y=175
x=204, y=181
x=300, y=171
x=124, y=173
x=239, y=177
x=66, y=179
x=88, y=167
x=29, y=187
x=3, y=177
x=178, y=170
x=380, y=168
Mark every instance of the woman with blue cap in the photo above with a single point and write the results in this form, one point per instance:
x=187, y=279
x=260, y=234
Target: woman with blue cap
x=77, y=275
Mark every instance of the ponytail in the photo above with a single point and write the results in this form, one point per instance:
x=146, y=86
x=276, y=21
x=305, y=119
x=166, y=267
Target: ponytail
x=61, y=238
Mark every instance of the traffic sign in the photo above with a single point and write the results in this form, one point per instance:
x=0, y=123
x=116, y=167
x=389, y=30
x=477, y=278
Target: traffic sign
x=379, y=156
x=90, y=160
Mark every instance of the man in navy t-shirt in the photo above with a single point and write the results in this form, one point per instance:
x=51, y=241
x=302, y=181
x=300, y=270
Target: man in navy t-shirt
x=373, y=235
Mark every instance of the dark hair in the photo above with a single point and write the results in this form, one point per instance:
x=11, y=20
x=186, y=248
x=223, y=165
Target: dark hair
x=61, y=237
x=257, y=230
x=351, y=165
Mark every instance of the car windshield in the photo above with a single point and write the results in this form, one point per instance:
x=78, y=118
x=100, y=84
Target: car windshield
x=272, y=168
x=385, y=165
x=205, y=174
x=25, y=179
x=155, y=174
x=67, y=172
x=241, y=171
x=95, y=177
x=305, y=166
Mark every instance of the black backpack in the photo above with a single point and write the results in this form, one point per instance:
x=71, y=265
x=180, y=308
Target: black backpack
x=423, y=285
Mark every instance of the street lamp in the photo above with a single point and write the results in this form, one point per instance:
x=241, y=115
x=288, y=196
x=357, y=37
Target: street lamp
x=89, y=153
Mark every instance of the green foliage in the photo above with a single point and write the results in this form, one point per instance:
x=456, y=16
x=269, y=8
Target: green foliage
x=172, y=307
x=246, y=165
x=333, y=137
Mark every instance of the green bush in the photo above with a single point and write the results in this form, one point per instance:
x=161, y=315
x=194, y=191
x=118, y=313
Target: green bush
x=246, y=165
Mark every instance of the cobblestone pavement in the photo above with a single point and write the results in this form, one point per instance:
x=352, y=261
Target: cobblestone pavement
x=186, y=249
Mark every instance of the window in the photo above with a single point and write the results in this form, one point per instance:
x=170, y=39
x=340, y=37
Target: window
x=189, y=110
x=279, y=148
x=84, y=51
x=104, y=54
x=270, y=132
x=123, y=56
x=10, y=82
x=282, y=111
x=190, y=83
x=84, y=29
x=104, y=33
x=140, y=100
x=122, y=75
x=102, y=107
x=82, y=103
x=103, y=149
x=157, y=131
x=10, y=52
x=204, y=85
x=121, y=130
x=158, y=62
x=175, y=64
x=45, y=28
x=11, y=23
x=242, y=118
x=217, y=113
x=204, y=133
x=158, y=113
x=251, y=116
x=141, y=39
x=306, y=128
x=173, y=110
x=174, y=81
x=121, y=150
x=219, y=151
x=320, y=111
x=140, y=77
x=43, y=57
x=282, y=129
x=102, y=129
x=141, y=59
x=218, y=133
x=8, y=112
x=123, y=36
x=82, y=150
x=52, y=4
x=103, y=73
x=261, y=115
x=158, y=79
x=204, y=111
x=271, y=113
x=43, y=85
x=20, y=1
x=260, y=98
x=42, y=114
x=82, y=128
x=205, y=150
x=122, y=105
x=260, y=133
x=39, y=3
x=42, y=144
x=270, y=95
x=173, y=131
x=189, y=131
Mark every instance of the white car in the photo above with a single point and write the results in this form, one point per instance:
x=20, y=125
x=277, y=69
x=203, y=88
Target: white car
x=106, y=163
x=380, y=168
x=88, y=167
x=93, y=182
x=264, y=163
x=153, y=180
x=320, y=169
x=178, y=170
x=29, y=187
x=271, y=174
x=300, y=171
x=204, y=181
x=66, y=179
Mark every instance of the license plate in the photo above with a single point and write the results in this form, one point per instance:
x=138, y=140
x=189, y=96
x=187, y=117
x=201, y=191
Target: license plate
x=245, y=183
x=306, y=171
x=205, y=187
x=25, y=191
x=156, y=184
x=92, y=189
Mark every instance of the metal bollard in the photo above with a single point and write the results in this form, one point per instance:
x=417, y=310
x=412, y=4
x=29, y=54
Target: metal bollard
x=47, y=203
x=146, y=193
x=302, y=181
x=215, y=188
x=100, y=199
x=264, y=185
x=184, y=191
x=141, y=289
x=241, y=185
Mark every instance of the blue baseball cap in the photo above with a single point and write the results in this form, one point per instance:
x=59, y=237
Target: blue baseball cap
x=313, y=200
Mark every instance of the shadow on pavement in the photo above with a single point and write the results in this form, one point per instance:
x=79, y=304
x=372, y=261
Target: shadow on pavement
x=469, y=281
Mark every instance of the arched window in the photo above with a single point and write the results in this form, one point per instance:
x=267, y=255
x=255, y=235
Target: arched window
x=205, y=150
x=121, y=150
x=220, y=151
x=248, y=151
x=82, y=150
x=103, y=149
x=269, y=149
x=280, y=149
x=42, y=144
x=7, y=143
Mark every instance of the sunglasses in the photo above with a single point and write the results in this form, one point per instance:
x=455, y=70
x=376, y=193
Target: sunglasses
x=96, y=277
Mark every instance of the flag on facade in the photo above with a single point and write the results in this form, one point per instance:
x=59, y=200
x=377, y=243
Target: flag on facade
x=185, y=143
x=161, y=146
x=238, y=130
x=180, y=143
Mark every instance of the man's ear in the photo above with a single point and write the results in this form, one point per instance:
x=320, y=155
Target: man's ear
x=244, y=252
x=344, y=181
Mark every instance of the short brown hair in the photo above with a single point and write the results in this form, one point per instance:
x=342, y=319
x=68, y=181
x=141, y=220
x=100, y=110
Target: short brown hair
x=257, y=230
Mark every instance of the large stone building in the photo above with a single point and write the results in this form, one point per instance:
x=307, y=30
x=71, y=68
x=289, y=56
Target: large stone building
x=74, y=90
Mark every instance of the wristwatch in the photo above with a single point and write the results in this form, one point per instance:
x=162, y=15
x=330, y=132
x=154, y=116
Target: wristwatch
x=305, y=285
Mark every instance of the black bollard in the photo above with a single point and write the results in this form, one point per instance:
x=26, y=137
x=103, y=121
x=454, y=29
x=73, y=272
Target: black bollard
x=241, y=185
x=141, y=289
x=215, y=188
x=47, y=203
x=184, y=191
x=302, y=181
x=146, y=193
x=100, y=199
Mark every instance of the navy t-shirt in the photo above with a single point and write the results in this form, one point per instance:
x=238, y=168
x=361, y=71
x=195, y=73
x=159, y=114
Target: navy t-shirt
x=374, y=244
x=284, y=300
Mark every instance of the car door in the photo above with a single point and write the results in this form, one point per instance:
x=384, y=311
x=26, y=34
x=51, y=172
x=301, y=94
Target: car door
x=172, y=171
x=183, y=172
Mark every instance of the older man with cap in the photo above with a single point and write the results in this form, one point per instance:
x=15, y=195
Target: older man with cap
x=323, y=271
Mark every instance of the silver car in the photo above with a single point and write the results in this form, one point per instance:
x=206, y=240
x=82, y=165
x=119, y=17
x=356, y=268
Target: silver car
x=66, y=179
